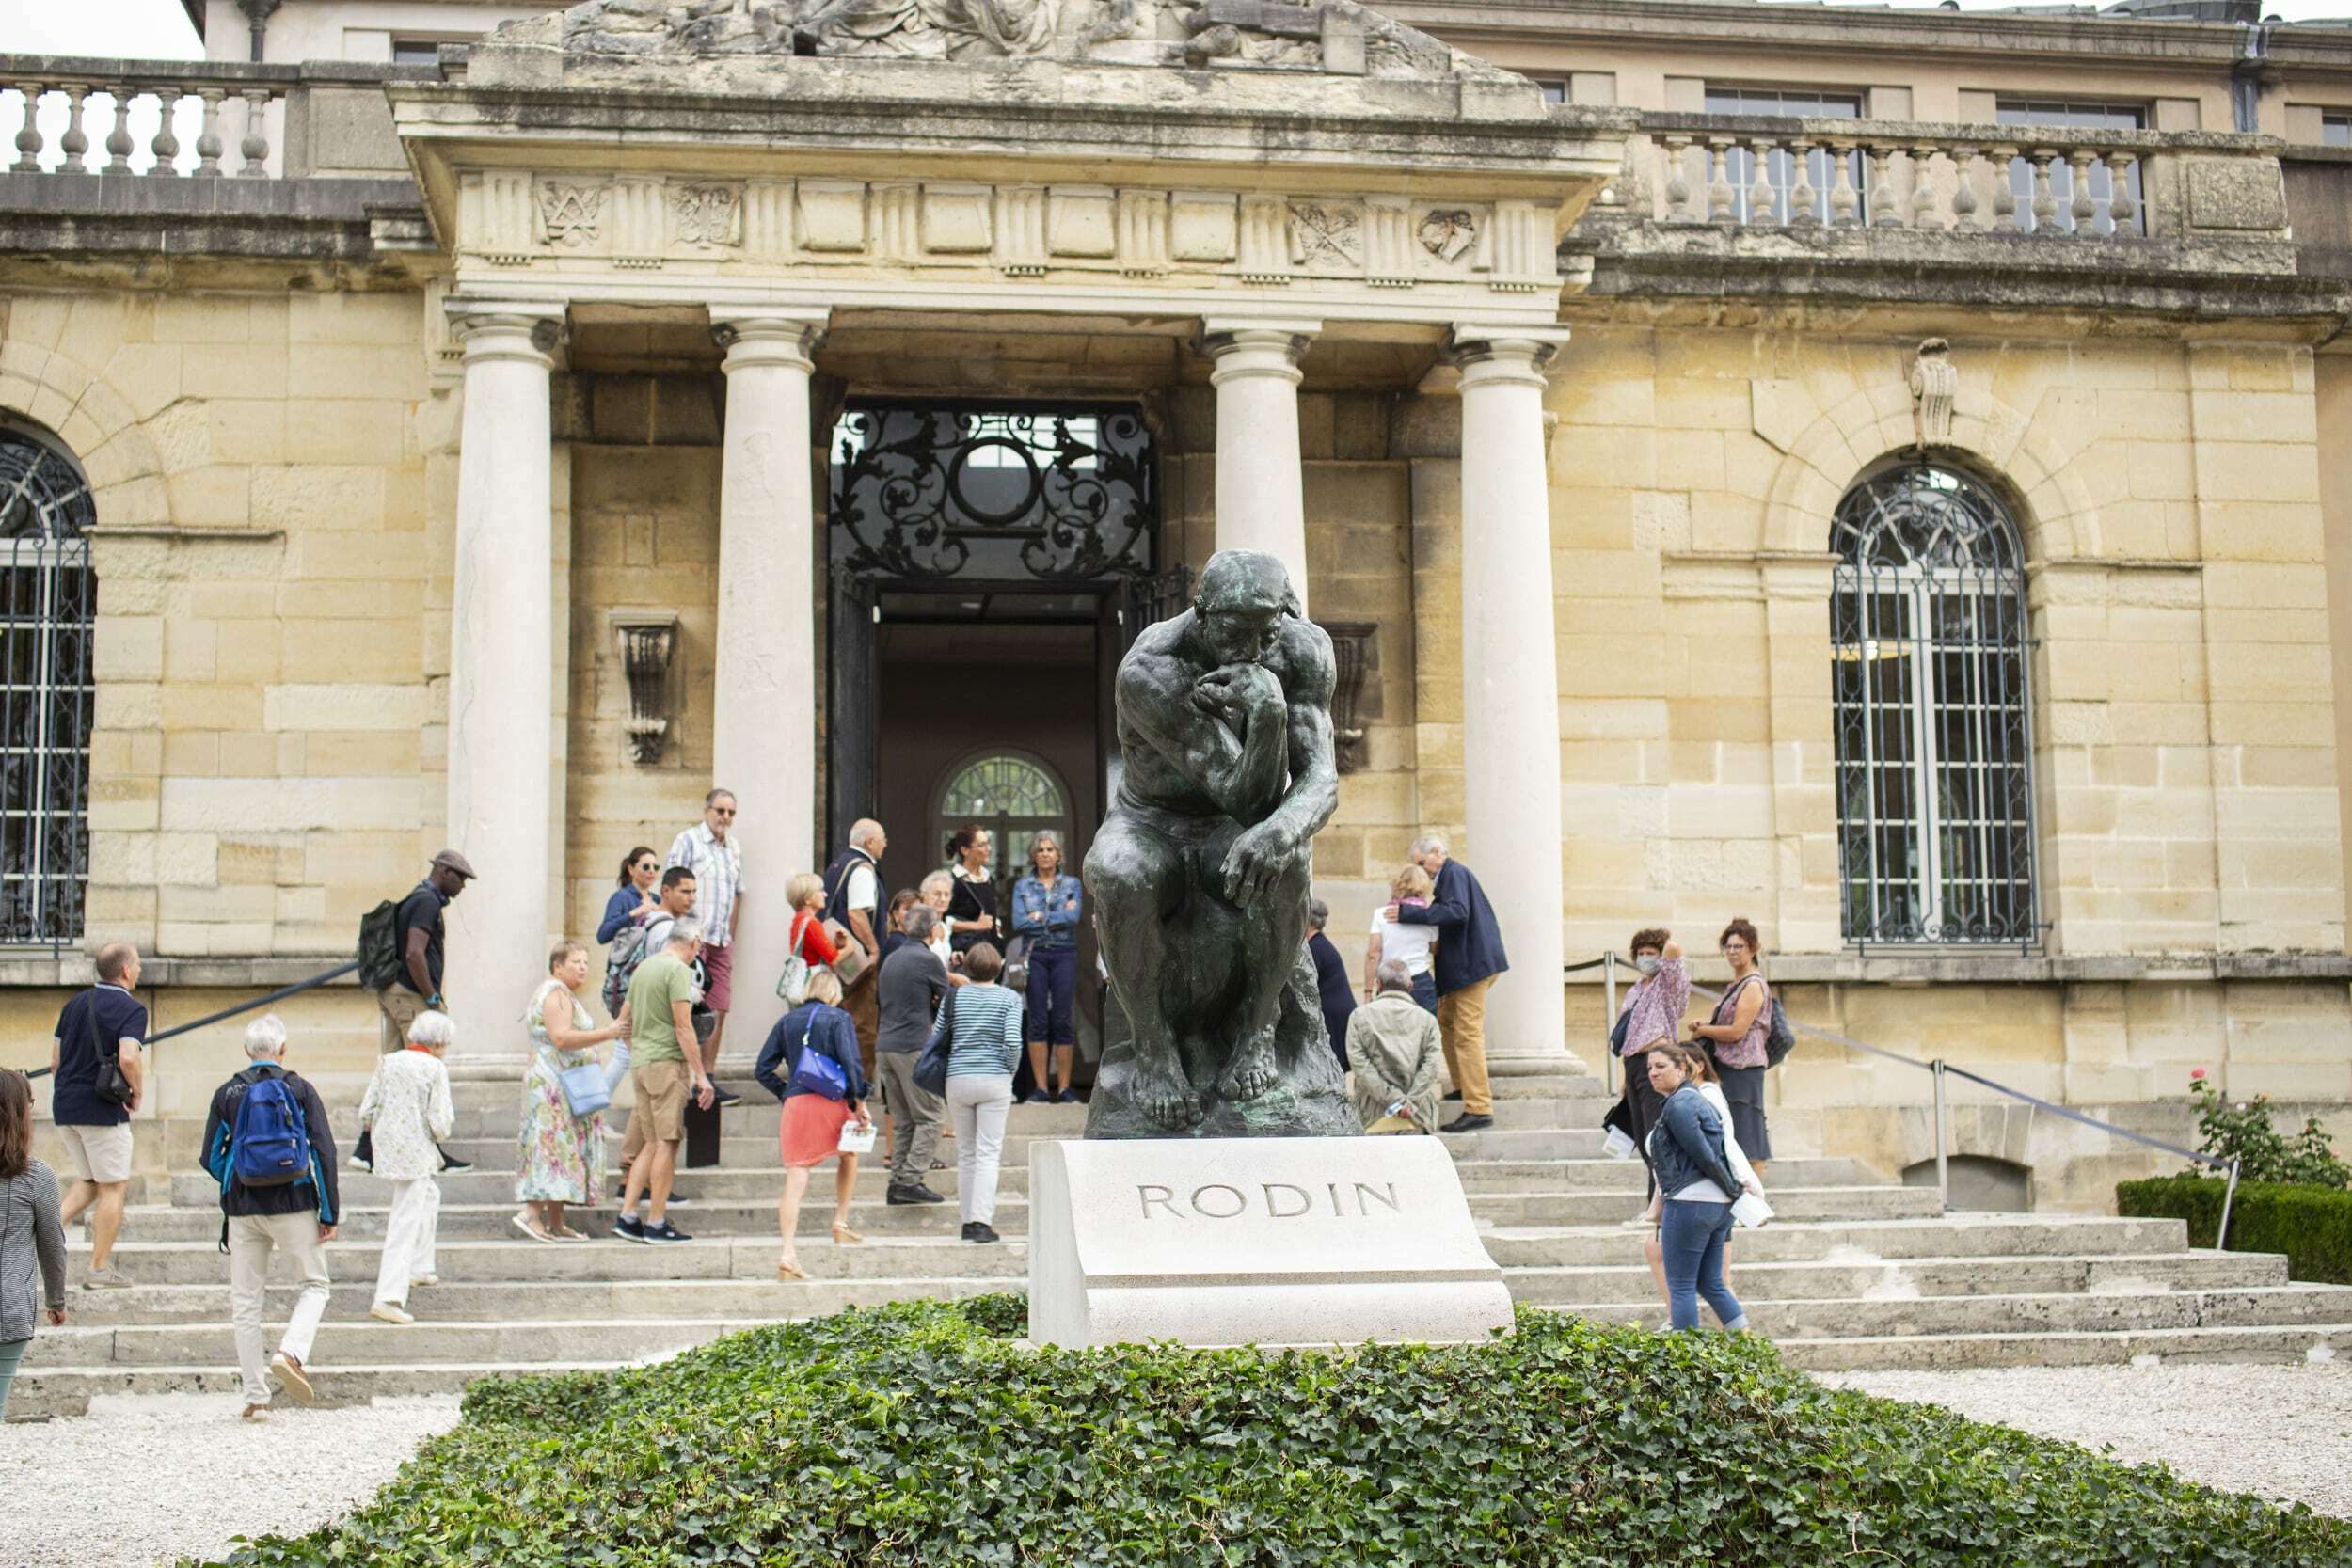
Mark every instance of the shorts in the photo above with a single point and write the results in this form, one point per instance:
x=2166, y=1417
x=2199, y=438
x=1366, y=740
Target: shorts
x=717, y=976
x=660, y=1108
x=101, y=1154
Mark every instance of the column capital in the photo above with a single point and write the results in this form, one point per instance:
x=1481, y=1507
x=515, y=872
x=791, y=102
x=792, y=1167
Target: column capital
x=1491, y=354
x=772, y=334
x=1245, y=346
x=504, y=329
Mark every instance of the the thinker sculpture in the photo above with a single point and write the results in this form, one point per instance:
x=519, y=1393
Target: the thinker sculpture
x=1199, y=875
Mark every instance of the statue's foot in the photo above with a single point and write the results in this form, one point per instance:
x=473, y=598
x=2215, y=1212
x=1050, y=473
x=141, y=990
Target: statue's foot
x=1251, y=1073
x=1166, y=1101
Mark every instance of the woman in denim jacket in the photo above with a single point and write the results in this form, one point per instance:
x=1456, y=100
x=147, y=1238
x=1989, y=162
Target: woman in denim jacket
x=1687, y=1152
x=1046, y=905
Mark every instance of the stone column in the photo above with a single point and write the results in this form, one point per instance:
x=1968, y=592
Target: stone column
x=764, y=693
x=1510, y=686
x=1260, y=500
x=501, y=687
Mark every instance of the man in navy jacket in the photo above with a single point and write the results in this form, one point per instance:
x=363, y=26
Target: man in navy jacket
x=1470, y=956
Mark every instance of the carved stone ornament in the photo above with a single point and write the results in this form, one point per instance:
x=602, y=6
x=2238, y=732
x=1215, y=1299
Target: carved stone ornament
x=571, y=214
x=1326, y=235
x=648, y=637
x=1354, y=694
x=1447, y=232
x=1336, y=36
x=1934, y=384
x=707, y=214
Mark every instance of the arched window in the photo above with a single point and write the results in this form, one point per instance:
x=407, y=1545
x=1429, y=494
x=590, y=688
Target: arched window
x=48, y=601
x=1012, y=797
x=1929, y=644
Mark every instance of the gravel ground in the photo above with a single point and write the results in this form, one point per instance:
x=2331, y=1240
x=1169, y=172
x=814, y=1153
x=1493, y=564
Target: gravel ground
x=202, y=1476
x=2282, y=1432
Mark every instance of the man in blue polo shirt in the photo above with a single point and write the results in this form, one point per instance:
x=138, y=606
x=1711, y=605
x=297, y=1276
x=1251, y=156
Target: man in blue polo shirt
x=102, y=1023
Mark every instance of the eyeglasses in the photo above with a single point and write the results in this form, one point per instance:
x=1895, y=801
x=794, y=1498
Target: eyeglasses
x=723, y=811
x=648, y=865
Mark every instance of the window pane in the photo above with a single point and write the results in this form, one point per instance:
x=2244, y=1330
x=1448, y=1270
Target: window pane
x=2090, y=115
x=2335, y=130
x=47, y=596
x=1927, y=631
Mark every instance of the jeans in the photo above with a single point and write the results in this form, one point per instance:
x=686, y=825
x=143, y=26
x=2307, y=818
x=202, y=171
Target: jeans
x=1693, y=1238
x=978, y=1103
x=1052, y=997
x=1425, y=990
x=11, y=1351
x=253, y=1239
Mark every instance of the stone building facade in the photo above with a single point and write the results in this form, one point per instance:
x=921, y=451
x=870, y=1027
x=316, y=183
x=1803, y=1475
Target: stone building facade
x=524, y=391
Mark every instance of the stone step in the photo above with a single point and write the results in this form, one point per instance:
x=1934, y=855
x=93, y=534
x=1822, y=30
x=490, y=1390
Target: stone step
x=1859, y=1242
x=2042, y=1348
x=745, y=1289
x=2062, y=1312
x=732, y=1217
x=361, y=1190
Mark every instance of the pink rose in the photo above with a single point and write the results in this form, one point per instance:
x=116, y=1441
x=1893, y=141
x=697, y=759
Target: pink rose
x=2197, y=1075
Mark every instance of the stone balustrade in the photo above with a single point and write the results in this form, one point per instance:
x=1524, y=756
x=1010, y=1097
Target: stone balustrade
x=112, y=99
x=1739, y=172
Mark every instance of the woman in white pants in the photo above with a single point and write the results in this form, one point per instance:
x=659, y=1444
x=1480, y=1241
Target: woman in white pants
x=983, y=1021
x=407, y=1109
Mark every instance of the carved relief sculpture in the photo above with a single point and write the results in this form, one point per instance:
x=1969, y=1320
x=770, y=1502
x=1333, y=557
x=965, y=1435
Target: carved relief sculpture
x=707, y=214
x=1447, y=232
x=931, y=29
x=1934, y=382
x=571, y=216
x=1326, y=235
x=1199, y=875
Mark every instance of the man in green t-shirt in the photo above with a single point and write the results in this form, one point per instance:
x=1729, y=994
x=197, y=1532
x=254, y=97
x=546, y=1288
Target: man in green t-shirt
x=661, y=1070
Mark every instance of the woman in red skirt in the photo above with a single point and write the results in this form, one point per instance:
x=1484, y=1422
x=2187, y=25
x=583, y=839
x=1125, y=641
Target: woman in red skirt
x=811, y=1125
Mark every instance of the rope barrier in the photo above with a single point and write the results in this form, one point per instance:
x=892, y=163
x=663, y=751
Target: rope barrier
x=210, y=1018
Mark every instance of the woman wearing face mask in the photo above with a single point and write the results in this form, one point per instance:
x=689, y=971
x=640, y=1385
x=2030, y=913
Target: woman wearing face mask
x=1652, y=1015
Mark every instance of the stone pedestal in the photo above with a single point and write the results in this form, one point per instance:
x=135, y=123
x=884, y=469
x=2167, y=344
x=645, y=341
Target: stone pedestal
x=1258, y=1241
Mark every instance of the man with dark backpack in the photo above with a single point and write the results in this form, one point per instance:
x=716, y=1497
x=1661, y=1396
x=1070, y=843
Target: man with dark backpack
x=268, y=1144
x=400, y=949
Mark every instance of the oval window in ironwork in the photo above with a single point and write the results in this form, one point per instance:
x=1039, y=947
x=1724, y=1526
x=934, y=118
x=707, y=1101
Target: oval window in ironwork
x=48, y=606
x=1930, y=647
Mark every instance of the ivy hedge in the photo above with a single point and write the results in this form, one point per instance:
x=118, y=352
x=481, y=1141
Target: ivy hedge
x=2312, y=1225
x=923, y=1433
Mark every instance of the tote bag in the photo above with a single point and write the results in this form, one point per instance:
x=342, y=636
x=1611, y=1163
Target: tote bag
x=792, y=984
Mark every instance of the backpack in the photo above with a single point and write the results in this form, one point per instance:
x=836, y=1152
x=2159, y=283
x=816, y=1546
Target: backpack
x=1779, y=1037
x=620, y=962
x=380, y=958
x=268, y=1143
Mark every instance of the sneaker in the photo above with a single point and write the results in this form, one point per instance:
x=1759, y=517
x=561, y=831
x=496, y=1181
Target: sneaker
x=1467, y=1122
x=355, y=1164
x=292, y=1378
x=1067, y=1097
x=1038, y=1097
x=257, y=1414
x=724, y=1097
x=105, y=1279
x=916, y=1193
x=449, y=1161
x=620, y=1195
x=980, y=1233
x=628, y=1229
x=664, y=1233
x=383, y=1311
x=424, y=1279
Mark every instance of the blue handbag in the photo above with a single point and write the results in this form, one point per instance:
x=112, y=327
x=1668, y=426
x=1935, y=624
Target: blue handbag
x=585, y=1092
x=816, y=1071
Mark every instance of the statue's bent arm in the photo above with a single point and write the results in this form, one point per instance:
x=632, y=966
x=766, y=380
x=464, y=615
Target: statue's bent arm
x=1155, y=700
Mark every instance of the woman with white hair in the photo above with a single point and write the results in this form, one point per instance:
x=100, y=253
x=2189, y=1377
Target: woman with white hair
x=406, y=1108
x=1045, y=906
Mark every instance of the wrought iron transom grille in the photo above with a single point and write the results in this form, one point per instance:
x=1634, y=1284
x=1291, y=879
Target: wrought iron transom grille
x=48, y=604
x=1929, y=645
x=935, y=491
x=1014, y=797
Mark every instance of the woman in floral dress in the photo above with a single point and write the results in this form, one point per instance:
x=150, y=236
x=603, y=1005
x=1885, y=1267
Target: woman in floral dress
x=562, y=1156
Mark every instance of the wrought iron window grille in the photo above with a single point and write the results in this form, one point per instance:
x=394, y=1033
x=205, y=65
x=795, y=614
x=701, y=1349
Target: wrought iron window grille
x=1930, y=648
x=48, y=611
x=929, y=493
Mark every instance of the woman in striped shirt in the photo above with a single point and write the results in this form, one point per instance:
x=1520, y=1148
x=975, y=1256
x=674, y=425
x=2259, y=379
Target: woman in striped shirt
x=982, y=1020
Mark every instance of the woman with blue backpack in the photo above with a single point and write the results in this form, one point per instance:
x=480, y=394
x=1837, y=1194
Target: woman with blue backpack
x=811, y=1062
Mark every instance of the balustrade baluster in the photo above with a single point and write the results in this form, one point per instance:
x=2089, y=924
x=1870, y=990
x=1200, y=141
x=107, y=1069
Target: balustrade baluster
x=1922, y=188
x=1803, y=200
x=1842, y=197
x=2044, y=197
x=74, y=144
x=119, y=142
x=166, y=147
x=1885, y=210
x=2005, y=191
x=1720, y=207
x=1763, y=206
x=2085, y=209
x=208, y=132
x=256, y=144
x=1678, y=149
x=28, y=135
x=1963, y=189
x=2120, y=207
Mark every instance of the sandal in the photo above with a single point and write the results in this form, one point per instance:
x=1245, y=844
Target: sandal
x=530, y=1228
x=786, y=1271
x=843, y=1234
x=568, y=1234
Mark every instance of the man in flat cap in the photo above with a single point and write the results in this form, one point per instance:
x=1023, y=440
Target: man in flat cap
x=419, y=932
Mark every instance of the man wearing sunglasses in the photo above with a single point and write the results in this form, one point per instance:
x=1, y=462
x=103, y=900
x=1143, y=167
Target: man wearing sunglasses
x=711, y=851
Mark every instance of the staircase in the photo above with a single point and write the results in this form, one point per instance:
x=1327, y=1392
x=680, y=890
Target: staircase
x=1854, y=1274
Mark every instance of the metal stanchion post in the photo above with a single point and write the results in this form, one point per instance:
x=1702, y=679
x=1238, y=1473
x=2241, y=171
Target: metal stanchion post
x=1609, y=1057
x=2222, y=1235
x=1943, y=1167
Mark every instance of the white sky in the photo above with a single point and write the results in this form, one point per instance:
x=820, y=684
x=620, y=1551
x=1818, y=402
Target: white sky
x=159, y=29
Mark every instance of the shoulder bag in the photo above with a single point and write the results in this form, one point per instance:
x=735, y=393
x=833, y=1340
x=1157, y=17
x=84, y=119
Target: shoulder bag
x=816, y=1071
x=930, y=1068
x=584, y=1089
x=1779, y=1038
x=113, y=1086
x=792, y=984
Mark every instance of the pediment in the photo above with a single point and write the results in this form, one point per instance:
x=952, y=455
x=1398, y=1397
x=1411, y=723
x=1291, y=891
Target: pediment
x=1328, y=37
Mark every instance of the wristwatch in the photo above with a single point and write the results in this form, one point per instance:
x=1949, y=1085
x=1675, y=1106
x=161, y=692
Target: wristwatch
x=433, y=1001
